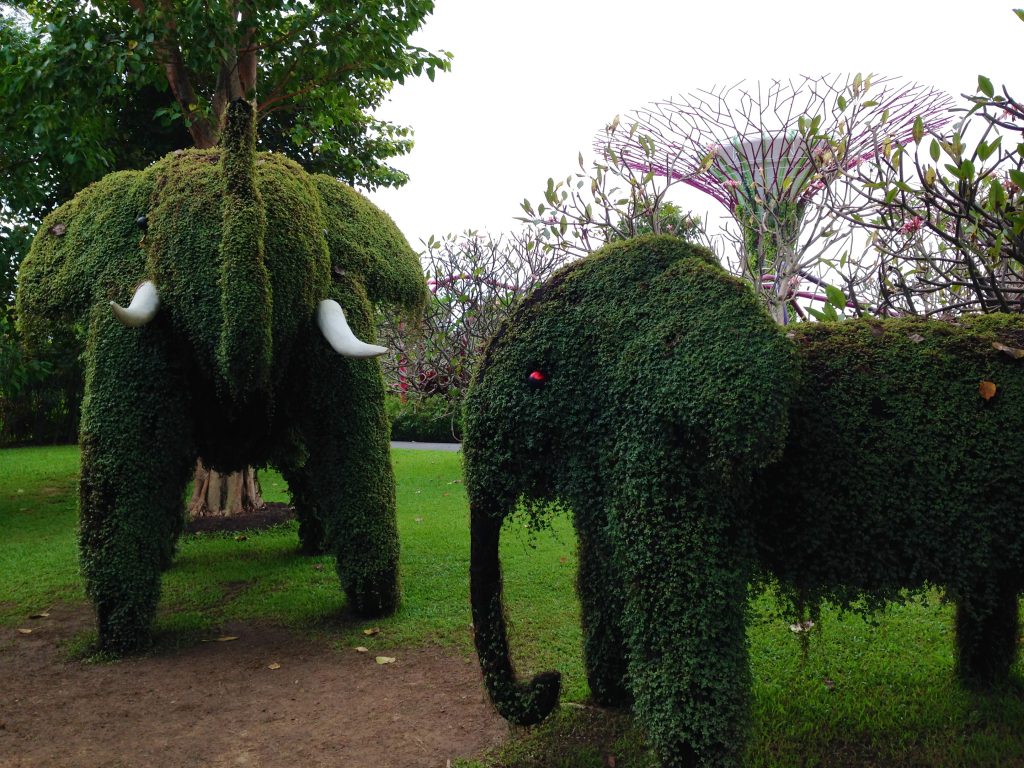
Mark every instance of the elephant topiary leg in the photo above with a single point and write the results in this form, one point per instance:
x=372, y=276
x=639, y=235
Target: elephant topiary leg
x=312, y=537
x=346, y=483
x=600, y=593
x=986, y=636
x=684, y=619
x=137, y=457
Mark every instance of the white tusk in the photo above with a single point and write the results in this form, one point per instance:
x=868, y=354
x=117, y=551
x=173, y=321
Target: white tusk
x=331, y=319
x=143, y=308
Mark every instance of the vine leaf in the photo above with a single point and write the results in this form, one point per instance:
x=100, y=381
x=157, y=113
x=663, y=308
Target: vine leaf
x=987, y=389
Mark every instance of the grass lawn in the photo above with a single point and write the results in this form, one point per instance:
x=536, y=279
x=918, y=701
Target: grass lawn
x=860, y=694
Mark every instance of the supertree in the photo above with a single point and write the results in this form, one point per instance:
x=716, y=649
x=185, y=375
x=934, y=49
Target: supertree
x=766, y=151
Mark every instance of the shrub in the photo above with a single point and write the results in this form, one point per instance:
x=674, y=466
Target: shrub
x=426, y=420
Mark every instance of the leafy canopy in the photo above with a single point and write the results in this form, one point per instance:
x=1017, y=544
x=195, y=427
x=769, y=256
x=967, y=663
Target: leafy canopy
x=76, y=76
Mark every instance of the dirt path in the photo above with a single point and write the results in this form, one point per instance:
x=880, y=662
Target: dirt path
x=220, y=704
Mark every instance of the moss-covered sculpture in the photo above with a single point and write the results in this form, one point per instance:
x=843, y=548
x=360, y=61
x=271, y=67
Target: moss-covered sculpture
x=237, y=253
x=701, y=447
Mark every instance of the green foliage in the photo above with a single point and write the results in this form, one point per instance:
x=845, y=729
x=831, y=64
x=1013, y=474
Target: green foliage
x=612, y=199
x=364, y=240
x=244, y=350
x=40, y=394
x=232, y=369
x=637, y=430
x=699, y=445
x=426, y=419
x=886, y=414
x=322, y=70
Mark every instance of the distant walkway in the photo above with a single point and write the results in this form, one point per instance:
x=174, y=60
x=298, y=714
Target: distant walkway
x=426, y=446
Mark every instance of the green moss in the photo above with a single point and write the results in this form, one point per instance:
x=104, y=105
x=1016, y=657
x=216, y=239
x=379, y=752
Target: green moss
x=233, y=369
x=244, y=350
x=365, y=241
x=701, y=446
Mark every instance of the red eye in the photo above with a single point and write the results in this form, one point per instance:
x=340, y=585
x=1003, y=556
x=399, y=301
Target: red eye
x=537, y=379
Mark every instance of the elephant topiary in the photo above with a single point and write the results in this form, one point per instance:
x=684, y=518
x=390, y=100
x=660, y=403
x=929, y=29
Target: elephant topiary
x=700, y=447
x=235, y=257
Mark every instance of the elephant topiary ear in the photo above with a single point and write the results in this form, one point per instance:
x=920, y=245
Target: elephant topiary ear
x=363, y=240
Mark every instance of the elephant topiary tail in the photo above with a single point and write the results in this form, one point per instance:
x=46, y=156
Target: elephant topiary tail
x=519, y=703
x=244, y=350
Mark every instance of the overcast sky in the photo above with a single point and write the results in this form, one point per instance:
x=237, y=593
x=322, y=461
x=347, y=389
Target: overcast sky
x=532, y=81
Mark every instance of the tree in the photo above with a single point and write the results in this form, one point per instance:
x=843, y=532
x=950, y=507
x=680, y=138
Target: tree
x=946, y=221
x=315, y=71
x=476, y=280
x=609, y=200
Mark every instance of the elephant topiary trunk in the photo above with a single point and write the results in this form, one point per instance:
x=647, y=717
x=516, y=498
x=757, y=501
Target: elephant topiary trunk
x=700, y=447
x=248, y=275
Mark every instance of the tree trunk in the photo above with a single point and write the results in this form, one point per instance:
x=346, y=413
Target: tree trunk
x=224, y=495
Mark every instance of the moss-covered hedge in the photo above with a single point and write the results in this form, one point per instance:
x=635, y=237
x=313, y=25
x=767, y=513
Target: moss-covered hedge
x=242, y=247
x=699, y=447
x=427, y=421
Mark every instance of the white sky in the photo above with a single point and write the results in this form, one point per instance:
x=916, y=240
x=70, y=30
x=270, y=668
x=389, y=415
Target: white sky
x=532, y=81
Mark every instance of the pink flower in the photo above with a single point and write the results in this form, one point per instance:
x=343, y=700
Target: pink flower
x=730, y=183
x=912, y=225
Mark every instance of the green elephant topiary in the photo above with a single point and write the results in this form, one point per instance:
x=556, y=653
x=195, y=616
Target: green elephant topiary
x=701, y=447
x=235, y=257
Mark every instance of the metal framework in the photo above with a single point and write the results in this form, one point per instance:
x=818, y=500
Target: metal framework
x=764, y=150
x=780, y=141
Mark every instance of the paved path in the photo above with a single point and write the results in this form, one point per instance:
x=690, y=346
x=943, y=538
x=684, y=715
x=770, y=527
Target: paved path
x=426, y=446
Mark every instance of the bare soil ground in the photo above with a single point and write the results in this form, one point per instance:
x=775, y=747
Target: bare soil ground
x=220, y=704
x=272, y=513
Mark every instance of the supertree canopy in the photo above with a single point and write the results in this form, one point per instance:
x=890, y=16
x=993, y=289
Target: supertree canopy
x=765, y=150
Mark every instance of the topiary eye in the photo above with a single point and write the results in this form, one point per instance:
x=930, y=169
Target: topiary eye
x=537, y=379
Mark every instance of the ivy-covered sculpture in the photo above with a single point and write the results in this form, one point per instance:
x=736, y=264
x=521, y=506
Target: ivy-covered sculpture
x=235, y=257
x=701, y=447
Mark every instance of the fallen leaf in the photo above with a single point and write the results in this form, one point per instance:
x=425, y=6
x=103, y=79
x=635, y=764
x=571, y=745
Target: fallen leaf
x=829, y=683
x=609, y=761
x=801, y=626
x=371, y=631
x=318, y=567
x=917, y=338
x=361, y=649
x=241, y=537
x=40, y=615
x=1013, y=352
x=987, y=390
x=25, y=631
x=418, y=519
x=57, y=230
x=273, y=665
x=222, y=639
x=385, y=659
